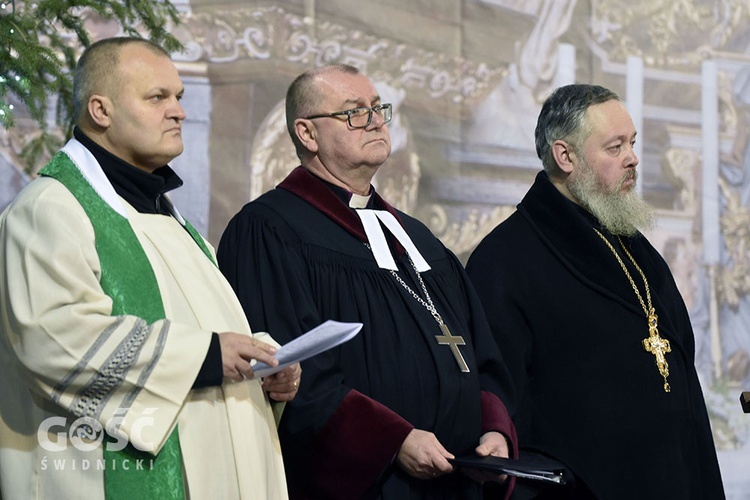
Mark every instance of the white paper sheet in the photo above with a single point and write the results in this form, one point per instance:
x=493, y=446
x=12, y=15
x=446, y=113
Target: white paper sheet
x=319, y=339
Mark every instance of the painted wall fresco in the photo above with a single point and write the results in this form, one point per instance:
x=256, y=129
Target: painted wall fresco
x=467, y=79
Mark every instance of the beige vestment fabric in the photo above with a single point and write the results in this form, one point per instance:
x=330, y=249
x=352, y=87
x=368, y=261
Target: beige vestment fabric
x=57, y=333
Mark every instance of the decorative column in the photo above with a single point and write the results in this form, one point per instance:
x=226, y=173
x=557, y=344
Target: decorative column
x=193, y=165
x=566, y=65
x=710, y=200
x=634, y=101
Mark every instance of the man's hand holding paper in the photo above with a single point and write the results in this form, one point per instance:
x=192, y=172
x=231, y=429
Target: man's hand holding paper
x=321, y=338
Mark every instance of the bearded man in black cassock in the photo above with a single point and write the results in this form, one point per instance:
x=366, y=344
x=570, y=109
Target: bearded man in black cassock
x=381, y=415
x=590, y=321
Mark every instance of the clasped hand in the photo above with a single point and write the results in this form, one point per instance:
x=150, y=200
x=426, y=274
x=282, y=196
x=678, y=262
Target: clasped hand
x=422, y=456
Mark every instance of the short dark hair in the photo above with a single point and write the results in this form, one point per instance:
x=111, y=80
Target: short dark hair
x=563, y=117
x=96, y=70
x=303, y=97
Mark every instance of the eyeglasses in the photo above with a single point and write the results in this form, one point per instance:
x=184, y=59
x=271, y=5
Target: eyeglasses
x=361, y=117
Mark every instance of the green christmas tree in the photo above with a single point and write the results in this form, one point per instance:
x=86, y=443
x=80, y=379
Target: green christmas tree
x=39, y=45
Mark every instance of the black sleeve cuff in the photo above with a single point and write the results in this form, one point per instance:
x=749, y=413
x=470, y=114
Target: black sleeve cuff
x=212, y=370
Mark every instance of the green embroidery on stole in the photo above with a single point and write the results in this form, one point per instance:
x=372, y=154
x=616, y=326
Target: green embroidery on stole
x=133, y=293
x=199, y=240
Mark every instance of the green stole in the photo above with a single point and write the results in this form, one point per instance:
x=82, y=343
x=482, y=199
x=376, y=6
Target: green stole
x=135, y=294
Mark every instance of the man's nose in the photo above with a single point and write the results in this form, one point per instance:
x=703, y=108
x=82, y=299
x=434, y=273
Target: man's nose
x=177, y=111
x=631, y=158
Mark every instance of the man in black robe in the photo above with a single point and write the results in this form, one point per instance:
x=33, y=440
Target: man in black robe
x=381, y=415
x=590, y=321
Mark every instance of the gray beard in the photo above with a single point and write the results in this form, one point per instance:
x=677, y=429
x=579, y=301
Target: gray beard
x=620, y=213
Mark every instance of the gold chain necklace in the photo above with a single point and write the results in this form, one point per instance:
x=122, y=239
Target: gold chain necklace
x=654, y=343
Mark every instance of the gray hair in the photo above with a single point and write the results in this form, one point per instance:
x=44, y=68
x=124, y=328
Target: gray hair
x=563, y=117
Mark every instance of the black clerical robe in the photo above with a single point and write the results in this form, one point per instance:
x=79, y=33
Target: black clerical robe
x=571, y=329
x=296, y=257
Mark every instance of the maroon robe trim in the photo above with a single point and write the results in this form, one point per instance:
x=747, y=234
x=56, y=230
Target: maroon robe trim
x=314, y=191
x=362, y=435
x=495, y=417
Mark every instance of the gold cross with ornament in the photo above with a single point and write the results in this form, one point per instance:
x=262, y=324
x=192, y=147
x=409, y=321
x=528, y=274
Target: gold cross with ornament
x=657, y=346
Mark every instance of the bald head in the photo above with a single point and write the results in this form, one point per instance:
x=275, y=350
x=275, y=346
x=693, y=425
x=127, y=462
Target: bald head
x=97, y=71
x=305, y=95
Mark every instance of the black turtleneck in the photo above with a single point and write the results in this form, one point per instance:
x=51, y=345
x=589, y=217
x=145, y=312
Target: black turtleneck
x=143, y=191
x=139, y=188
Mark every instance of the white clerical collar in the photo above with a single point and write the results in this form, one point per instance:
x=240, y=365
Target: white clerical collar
x=92, y=171
x=359, y=201
x=371, y=220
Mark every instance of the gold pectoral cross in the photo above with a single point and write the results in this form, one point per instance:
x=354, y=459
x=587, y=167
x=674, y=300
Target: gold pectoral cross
x=453, y=342
x=657, y=346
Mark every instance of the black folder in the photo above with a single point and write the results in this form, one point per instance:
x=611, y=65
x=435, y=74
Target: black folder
x=528, y=466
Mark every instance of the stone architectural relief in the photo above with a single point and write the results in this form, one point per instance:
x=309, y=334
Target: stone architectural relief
x=273, y=155
x=666, y=33
x=538, y=60
x=405, y=75
x=733, y=281
x=271, y=33
x=679, y=166
x=462, y=229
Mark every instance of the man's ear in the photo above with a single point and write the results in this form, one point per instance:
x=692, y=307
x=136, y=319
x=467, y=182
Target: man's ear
x=564, y=155
x=307, y=134
x=99, y=110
